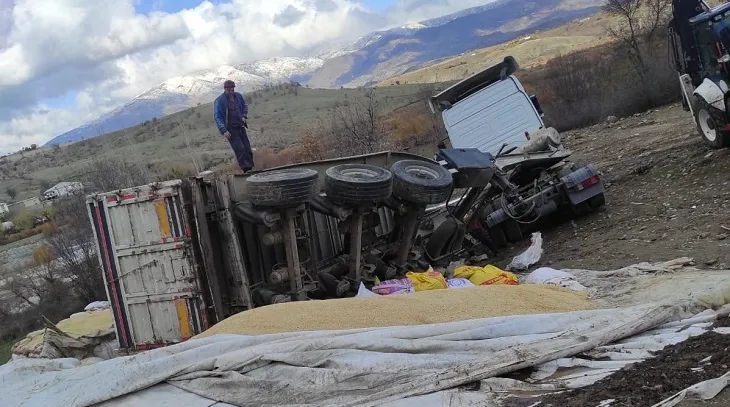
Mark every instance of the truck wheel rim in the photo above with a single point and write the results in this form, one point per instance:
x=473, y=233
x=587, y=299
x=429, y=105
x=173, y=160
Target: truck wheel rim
x=706, y=124
x=362, y=173
x=422, y=172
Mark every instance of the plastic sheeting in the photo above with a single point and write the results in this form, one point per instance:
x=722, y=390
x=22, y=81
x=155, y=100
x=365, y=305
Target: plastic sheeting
x=587, y=368
x=87, y=334
x=365, y=367
x=706, y=390
x=547, y=275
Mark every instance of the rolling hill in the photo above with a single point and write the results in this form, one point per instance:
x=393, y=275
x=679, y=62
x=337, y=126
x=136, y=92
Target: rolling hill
x=531, y=50
x=382, y=55
x=372, y=59
x=183, y=92
x=278, y=118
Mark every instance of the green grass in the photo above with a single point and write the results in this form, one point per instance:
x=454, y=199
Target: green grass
x=278, y=118
x=5, y=352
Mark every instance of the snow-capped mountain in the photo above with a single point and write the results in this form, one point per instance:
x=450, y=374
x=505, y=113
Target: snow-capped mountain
x=372, y=58
x=384, y=54
x=182, y=92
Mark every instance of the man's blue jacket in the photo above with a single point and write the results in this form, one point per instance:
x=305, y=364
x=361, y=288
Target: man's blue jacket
x=220, y=110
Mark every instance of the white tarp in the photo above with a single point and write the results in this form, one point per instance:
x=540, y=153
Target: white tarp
x=365, y=367
x=585, y=368
x=706, y=390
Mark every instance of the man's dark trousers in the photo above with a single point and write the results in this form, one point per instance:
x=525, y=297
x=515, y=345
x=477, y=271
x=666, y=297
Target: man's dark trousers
x=241, y=147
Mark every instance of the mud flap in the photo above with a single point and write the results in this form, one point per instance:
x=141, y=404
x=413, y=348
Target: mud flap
x=579, y=196
x=577, y=187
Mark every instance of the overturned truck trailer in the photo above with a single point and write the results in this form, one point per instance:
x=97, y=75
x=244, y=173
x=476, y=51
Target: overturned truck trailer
x=181, y=255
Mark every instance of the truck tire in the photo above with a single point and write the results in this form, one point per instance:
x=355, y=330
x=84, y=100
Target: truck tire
x=512, y=230
x=497, y=236
x=706, y=119
x=582, y=208
x=289, y=187
x=421, y=182
x=358, y=183
x=597, y=201
x=447, y=238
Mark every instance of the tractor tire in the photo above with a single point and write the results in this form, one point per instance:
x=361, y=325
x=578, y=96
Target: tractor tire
x=282, y=188
x=421, y=182
x=357, y=184
x=708, y=120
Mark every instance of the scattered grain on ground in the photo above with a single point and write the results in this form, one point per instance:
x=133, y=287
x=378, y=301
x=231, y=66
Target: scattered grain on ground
x=425, y=307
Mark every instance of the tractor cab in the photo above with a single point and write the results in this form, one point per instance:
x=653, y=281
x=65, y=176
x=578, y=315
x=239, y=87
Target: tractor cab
x=700, y=42
x=704, y=35
x=712, y=33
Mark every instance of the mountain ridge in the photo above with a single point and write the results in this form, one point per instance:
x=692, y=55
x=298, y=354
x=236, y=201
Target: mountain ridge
x=366, y=61
x=185, y=91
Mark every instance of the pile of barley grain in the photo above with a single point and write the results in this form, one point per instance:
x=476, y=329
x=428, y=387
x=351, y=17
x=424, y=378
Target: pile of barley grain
x=425, y=307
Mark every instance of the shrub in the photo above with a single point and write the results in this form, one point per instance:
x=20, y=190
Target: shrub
x=585, y=87
x=49, y=229
x=24, y=220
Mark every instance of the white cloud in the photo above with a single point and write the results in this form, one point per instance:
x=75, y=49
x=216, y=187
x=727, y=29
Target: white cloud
x=106, y=53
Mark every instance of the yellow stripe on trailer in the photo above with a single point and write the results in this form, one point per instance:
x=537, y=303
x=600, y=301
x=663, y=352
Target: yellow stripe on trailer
x=162, y=217
x=181, y=305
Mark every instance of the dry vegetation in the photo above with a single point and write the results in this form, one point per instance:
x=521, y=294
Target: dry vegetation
x=541, y=47
x=63, y=273
x=626, y=76
x=175, y=144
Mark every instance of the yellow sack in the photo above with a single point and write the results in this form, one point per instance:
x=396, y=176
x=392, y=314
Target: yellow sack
x=430, y=280
x=487, y=275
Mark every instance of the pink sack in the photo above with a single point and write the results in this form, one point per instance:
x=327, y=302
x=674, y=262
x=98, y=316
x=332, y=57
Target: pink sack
x=391, y=287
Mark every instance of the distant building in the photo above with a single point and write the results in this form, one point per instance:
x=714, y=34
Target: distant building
x=4, y=209
x=63, y=189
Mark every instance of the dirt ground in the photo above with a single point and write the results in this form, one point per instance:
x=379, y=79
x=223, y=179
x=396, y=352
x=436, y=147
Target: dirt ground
x=667, y=194
x=672, y=370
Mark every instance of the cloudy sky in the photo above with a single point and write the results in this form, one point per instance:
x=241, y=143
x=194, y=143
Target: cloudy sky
x=65, y=62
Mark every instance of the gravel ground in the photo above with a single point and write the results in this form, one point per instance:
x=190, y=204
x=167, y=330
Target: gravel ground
x=672, y=370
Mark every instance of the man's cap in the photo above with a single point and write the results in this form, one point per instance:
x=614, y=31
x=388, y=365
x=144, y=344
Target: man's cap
x=229, y=84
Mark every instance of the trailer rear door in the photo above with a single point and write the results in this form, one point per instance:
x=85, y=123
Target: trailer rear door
x=150, y=272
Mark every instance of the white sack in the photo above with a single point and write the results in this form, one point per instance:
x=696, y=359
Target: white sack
x=532, y=255
x=363, y=367
x=547, y=275
x=97, y=305
x=459, y=283
x=362, y=291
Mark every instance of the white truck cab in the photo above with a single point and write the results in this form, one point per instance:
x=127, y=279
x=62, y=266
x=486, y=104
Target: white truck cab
x=488, y=110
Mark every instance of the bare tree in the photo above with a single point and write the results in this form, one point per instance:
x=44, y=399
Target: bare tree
x=355, y=127
x=640, y=23
x=75, y=251
x=109, y=174
x=40, y=283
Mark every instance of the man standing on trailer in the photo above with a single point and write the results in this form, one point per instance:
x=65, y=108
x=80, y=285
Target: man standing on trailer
x=230, y=112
